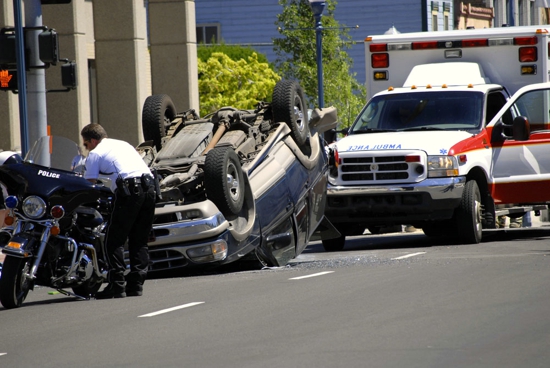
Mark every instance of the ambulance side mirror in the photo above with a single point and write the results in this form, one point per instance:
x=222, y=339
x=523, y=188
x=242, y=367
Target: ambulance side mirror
x=521, y=129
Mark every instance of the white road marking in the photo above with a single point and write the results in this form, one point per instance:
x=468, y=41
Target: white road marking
x=313, y=275
x=171, y=309
x=3, y=354
x=408, y=255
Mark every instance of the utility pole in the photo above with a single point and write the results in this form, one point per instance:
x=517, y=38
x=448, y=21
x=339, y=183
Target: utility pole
x=36, y=77
x=21, y=75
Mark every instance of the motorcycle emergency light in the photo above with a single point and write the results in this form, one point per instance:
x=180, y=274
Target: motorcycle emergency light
x=11, y=202
x=55, y=230
x=57, y=212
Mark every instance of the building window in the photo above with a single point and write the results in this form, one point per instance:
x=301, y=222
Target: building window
x=435, y=10
x=446, y=15
x=521, y=14
x=208, y=33
x=92, y=81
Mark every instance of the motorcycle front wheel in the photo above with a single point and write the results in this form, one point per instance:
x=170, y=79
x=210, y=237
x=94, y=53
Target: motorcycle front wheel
x=14, y=285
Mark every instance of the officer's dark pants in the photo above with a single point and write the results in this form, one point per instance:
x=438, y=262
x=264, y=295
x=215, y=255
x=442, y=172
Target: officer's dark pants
x=131, y=219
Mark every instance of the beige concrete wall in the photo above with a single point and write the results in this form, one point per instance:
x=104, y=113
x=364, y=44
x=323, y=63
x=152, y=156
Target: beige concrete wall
x=173, y=44
x=68, y=112
x=121, y=51
x=10, y=136
x=113, y=34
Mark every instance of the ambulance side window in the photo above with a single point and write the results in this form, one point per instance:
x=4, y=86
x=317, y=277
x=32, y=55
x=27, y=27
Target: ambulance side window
x=495, y=101
x=535, y=106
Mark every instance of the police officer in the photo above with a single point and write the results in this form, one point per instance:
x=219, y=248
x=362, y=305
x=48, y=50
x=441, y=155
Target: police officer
x=133, y=208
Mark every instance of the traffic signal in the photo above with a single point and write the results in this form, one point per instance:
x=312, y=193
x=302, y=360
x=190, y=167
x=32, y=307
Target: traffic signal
x=7, y=47
x=48, y=46
x=68, y=75
x=8, y=80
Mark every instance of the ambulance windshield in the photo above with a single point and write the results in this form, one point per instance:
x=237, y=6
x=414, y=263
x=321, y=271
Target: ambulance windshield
x=452, y=110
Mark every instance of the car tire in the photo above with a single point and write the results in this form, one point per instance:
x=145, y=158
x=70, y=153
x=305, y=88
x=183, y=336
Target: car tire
x=468, y=215
x=224, y=180
x=334, y=244
x=289, y=106
x=157, y=115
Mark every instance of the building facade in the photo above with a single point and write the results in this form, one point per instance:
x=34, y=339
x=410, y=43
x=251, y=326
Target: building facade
x=125, y=50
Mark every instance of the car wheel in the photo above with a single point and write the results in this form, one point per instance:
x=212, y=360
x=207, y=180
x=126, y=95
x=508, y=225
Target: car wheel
x=224, y=180
x=158, y=113
x=468, y=215
x=289, y=106
x=334, y=244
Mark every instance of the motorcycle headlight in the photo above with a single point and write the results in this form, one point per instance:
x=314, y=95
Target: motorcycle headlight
x=441, y=166
x=34, y=207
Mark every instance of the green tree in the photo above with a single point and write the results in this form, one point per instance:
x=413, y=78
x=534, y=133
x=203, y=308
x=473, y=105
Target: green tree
x=236, y=53
x=296, y=57
x=241, y=83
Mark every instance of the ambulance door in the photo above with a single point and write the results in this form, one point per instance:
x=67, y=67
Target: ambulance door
x=520, y=169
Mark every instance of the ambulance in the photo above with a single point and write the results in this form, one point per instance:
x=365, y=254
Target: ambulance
x=456, y=132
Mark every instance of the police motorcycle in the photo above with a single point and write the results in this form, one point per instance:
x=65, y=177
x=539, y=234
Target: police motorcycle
x=55, y=223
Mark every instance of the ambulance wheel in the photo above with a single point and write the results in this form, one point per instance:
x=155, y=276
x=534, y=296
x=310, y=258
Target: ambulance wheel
x=468, y=216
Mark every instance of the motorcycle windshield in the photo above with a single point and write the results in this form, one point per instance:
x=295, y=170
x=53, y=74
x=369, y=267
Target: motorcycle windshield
x=46, y=172
x=53, y=152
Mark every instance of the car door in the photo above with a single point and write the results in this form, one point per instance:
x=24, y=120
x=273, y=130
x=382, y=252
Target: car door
x=520, y=167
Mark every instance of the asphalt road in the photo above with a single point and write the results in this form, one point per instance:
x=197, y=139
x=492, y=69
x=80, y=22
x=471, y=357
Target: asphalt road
x=395, y=300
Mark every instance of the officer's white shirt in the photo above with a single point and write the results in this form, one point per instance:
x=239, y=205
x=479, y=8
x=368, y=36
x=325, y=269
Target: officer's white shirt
x=113, y=157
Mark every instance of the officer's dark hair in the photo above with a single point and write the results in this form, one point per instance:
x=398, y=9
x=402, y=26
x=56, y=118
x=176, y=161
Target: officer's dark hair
x=93, y=131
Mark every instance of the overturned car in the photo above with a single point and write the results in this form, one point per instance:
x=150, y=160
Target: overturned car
x=237, y=183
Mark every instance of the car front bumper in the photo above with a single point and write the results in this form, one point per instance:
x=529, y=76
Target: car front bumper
x=191, y=234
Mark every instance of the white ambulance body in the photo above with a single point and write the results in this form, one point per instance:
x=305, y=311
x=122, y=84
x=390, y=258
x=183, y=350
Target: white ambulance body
x=440, y=144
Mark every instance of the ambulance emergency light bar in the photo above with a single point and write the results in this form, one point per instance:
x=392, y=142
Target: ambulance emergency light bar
x=380, y=57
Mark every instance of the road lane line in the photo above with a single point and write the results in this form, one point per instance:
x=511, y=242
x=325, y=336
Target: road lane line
x=3, y=354
x=408, y=255
x=171, y=309
x=313, y=275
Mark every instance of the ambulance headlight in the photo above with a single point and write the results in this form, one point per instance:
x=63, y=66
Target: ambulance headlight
x=442, y=166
